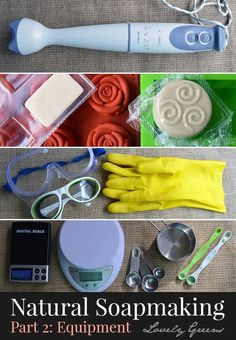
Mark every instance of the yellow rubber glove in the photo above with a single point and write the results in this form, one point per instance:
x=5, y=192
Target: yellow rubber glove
x=129, y=207
x=164, y=182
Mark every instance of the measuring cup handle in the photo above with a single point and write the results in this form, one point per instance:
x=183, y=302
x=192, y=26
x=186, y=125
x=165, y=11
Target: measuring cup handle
x=155, y=226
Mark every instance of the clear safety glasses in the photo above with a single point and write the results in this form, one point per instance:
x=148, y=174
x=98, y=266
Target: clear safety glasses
x=28, y=178
x=51, y=204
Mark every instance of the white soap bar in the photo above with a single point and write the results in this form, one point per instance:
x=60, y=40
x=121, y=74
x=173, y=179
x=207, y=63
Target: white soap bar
x=53, y=98
x=182, y=109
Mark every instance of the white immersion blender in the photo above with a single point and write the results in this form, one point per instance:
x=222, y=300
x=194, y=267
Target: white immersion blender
x=30, y=36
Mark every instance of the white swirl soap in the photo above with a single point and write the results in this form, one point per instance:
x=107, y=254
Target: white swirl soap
x=182, y=109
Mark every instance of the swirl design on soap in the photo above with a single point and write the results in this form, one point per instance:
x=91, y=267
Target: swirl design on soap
x=182, y=109
x=187, y=94
x=171, y=112
x=192, y=116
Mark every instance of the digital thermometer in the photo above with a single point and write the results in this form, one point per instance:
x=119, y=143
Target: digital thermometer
x=91, y=253
x=30, y=36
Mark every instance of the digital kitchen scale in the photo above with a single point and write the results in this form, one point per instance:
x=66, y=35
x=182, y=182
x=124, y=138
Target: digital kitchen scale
x=91, y=253
x=30, y=252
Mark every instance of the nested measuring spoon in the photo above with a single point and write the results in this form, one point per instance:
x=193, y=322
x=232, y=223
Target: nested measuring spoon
x=192, y=279
x=157, y=271
x=149, y=282
x=133, y=279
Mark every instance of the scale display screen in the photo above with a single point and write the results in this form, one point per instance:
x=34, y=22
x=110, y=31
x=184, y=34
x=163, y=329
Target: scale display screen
x=21, y=274
x=90, y=276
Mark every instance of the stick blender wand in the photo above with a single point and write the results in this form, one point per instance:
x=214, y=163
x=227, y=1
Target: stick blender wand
x=30, y=36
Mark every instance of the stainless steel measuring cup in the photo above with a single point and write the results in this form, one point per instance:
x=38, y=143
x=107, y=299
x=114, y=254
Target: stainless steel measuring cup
x=133, y=279
x=176, y=241
x=149, y=282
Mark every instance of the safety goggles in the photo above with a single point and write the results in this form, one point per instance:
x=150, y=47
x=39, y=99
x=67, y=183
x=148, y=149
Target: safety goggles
x=21, y=176
x=51, y=204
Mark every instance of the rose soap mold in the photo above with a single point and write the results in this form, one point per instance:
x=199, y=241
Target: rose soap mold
x=109, y=134
x=112, y=96
x=182, y=109
x=63, y=136
x=102, y=120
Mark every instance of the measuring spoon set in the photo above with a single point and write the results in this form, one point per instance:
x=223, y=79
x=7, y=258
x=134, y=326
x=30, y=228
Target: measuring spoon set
x=175, y=243
x=143, y=271
x=193, y=278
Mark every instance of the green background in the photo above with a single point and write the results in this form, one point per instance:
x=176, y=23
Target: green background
x=223, y=84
